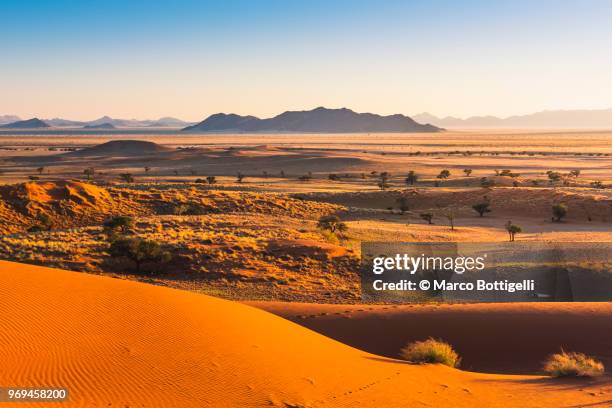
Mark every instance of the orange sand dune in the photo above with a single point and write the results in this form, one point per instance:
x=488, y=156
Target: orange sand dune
x=491, y=337
x=125, y=344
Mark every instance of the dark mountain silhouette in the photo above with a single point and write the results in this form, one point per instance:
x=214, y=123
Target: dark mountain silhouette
x=33, y=123
x=560, y=119
x=319, y=120
x=100, y=126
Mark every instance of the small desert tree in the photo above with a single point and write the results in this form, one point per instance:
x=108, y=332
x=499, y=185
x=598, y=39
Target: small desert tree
x=482, y=208
x=331, y=223
x=450, y=216
x=120, y=224
x=239, y=177
x=89, y=172
x=40, y=170
x=467, y=172
x=305, y=177
x=127, y=177
x=444, y=174
x=575, y=173
x=333, y=177
x=553, y=176
x=211, y=180
x=486, y=182
x=147, y=169
x=383, y=184
x=512, y=230
x=402, y=203
x=138, y=250
x=427, y=216
x=411, y=178
x=559, y=211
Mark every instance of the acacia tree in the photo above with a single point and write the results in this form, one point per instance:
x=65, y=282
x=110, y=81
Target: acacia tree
x=444, y=174
x=482, y=208
x=411, y=178
x=332, y=224
x=402, y=202
x=239, y=177
x=127, y=177
x=383, y=184
x=467, y=172
x=139, y=251
x=211, y=180
x=450, y=216
x=559, y=211
x=427, y=216
x=89, y=172
x=40, y=170
x=121, y=223
x=512, y=230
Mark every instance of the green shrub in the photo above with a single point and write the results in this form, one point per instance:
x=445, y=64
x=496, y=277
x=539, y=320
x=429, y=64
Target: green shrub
x=572, y=364
x=138, y=251
x=430, y=351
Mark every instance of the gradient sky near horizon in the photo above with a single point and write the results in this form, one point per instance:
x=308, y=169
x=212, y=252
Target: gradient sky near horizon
x=188, y=59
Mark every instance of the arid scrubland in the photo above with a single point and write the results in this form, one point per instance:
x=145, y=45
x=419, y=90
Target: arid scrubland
x=285, y=220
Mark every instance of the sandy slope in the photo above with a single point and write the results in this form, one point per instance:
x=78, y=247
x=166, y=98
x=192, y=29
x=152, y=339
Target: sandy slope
x=122, y=343
x=496, y=337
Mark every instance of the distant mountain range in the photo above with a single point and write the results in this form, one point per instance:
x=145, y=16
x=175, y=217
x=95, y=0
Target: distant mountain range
x=323, y=120
x=105, y=122
x=319, y=120
x=33, y=123
x=560, y=119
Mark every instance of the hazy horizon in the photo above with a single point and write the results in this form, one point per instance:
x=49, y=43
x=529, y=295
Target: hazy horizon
x=192, y=59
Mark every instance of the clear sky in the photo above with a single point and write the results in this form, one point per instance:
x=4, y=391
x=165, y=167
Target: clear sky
x=146, y=59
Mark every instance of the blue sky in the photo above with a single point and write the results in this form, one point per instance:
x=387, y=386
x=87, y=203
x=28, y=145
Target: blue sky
x=192, y=58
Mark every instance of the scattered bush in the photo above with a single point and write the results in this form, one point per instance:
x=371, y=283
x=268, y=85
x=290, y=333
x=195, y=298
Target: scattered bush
x=332, y=224
x=512, y=230
x=467, y=172
x=444, y=174
x=411, y=178
x=139, y=251
x=559, y=211
x=431, y=351
x=127, y=177
x=572, y=364
x=383, y=184
x=486, y=182
x=403, y=204
x=482, y=208
x=306, y=177
x=121, y=224
x=189, y=209
x=89, y=172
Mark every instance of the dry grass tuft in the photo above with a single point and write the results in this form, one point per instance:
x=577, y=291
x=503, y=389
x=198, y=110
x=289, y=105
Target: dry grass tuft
x=573, y=364
x=431, y=351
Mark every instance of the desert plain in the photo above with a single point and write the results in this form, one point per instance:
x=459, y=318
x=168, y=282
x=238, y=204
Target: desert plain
x=239, y=217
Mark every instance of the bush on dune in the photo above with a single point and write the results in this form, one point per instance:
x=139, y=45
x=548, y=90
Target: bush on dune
x=430, y=351
x=573, y=364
